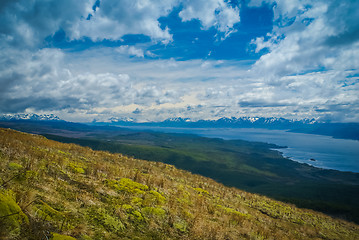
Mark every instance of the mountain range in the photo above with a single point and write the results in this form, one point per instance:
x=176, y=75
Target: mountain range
x=222, y=122
x=29, y=116
x=310, y=126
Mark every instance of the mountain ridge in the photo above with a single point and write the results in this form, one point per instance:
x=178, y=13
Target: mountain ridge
x=310, y=126
x=229, y=120
x=29, y=117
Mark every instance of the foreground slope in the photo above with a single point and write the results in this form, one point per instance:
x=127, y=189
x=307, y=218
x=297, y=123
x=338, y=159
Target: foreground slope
x=49, y=189
x=249, y=166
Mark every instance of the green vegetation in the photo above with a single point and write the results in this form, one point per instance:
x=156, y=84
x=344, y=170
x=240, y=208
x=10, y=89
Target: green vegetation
x=11, y=215
x=120, y=197
x=56, y=236
x=249, y=166
x=246, y=165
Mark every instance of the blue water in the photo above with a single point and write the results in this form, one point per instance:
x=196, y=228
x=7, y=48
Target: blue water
x=328, y=152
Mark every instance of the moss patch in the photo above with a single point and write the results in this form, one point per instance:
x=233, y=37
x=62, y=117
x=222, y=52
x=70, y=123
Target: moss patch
x=56, y=236
x=11, y=215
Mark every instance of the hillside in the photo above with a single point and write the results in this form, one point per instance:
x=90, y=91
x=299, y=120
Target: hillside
x=249, y=166
x=51, y=189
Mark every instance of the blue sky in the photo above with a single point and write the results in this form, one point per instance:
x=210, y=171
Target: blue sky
x=204, y=59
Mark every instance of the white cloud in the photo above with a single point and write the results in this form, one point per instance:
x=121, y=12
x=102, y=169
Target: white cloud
x=44, y=80
x=311, y=52
x=133, y=51
x=113, y=19
x=310, y=35
x=27, y=23
x=130, y=50
x=116, y=18
x=211, y=13
x=310, y=68
x=101, y=87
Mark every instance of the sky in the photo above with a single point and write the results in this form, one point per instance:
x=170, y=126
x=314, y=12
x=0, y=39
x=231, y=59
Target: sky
x=149, y=60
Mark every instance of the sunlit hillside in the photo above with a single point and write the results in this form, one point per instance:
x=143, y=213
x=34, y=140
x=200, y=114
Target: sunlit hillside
x=51, y=190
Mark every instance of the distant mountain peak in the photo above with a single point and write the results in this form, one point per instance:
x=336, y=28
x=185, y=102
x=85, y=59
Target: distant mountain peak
x=265, y=122
x=121, y=119
x=30, y=116
x=178, y=119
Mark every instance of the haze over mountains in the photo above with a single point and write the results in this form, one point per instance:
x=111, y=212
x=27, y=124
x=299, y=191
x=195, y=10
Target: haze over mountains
x=311, y=126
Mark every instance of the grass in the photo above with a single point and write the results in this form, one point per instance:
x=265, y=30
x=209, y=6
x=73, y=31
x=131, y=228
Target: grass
x=119, y=197
x=249, y=166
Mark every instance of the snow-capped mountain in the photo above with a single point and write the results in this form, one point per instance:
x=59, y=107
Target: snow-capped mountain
x=29, y=116
x=311, y=126
x=231, y=122
x=237, y=122
x=121, y=119
x=178, y=119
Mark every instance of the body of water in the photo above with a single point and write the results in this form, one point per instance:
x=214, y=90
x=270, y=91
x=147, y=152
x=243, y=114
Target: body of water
x=317, y=150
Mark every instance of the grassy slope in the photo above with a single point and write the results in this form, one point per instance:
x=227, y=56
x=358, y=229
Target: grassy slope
x=249, y=166
x=75, y=191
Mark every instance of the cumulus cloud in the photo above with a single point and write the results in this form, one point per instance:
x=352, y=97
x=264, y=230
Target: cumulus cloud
x=50, y=80
x=26, y=23
x=308, y=67
x=133, y=51
x=29, y=22
x=130, y=50
x=311, y=55
x=308, y=36
x=113, y=19
x=43, y=81
x=211, y=13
